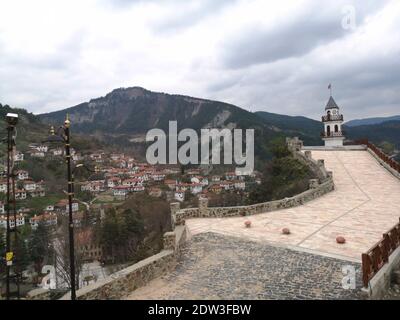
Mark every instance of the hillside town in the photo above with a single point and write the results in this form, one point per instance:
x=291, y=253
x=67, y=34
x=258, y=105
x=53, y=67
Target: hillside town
x=114, y=177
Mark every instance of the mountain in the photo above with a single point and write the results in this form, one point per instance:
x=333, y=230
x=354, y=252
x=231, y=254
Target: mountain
x=388, y=131
x=371, y=121
x=136, y=110
x=307, y=129
x=123, y=116
x=29, y=128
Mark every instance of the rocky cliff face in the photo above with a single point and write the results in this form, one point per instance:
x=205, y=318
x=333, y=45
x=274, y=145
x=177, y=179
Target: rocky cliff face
x=136, y=110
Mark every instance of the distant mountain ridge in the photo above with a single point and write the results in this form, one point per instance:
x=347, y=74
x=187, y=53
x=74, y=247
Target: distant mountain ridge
x=371, y=121
x=134, y=111
x=127, y=113
x=388, y=131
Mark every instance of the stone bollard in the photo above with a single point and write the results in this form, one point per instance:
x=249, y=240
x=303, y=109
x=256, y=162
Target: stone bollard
x=203, y=207
x=169, y=241
x=313, y=183
x=174, y=207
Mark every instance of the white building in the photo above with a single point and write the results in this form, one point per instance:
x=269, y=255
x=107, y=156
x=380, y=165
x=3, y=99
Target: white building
x=3, y=186
x=22, y=175
x=333, y=135
x=18, y=156
x=240, y=185
x=48, y=219
x=180, y=196
x=20, y=221
x=20, y=194
x=121, y=191
x=29, y=185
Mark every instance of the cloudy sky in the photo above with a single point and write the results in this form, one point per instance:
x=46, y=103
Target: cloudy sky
x=276, y=56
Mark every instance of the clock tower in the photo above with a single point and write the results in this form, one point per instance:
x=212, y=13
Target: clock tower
x=333, y=135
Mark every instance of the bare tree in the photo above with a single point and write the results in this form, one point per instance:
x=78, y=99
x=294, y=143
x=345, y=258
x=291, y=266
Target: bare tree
x=62, y=259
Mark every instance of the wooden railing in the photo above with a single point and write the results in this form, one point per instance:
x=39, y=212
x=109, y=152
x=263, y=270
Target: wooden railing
x=378, y=255
x=392, y=163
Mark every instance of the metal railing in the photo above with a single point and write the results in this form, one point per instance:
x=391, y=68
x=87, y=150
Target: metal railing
x=330, y=117
x=332, y=134
x=384, y=157
x=376, y=257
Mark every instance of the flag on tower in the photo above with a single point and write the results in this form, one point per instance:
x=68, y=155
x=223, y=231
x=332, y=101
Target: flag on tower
x=330, y=86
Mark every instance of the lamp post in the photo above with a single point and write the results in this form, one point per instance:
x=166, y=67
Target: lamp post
x=63, y=135
x=12, y=120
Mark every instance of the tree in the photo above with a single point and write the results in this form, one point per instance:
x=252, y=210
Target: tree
x=62, y=258
x=283, y=176
x=40, y=246
x=121, y=233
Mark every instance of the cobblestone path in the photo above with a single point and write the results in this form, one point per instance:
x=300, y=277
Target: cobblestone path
x=214, y=266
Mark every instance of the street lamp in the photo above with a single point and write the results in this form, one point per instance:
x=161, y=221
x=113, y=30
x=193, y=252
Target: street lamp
x=63, y=135
x=12, y=121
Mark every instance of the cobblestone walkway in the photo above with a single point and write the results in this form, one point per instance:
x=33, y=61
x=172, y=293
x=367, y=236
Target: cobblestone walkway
x=214, y=266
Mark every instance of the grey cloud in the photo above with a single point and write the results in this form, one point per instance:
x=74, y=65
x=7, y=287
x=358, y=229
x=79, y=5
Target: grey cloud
x=291, y=38
x=295, y=39
x=186, y=16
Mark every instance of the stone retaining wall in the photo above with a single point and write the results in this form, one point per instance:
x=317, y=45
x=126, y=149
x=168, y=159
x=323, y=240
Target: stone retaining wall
x=123, y=282
x=317, y=187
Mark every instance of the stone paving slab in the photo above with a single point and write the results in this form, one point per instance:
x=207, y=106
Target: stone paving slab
x=364, y=205
x=216, y=266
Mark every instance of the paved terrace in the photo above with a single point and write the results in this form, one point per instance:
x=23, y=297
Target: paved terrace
x=225, y=260
x=365, y=204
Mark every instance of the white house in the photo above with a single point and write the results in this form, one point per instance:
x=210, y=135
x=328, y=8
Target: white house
x=22, y=175
x=157, y=176
x=57, y=152
x=230, y=176
x=18, y=156
x=38, y=192
x=48, y=219
x=240, y=185
x=20, y=194
x=113, y=182
x=180, y=196
x=196, y=188
x=93, y=186
x=20, y=221
x=3, y=186
x=121, y=191
x=227, y=185
x=37, y=154
x=62, y=206
x=29, y=185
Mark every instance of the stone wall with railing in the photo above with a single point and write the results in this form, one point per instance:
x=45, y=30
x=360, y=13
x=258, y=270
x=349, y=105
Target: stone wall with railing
x=322, y=184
